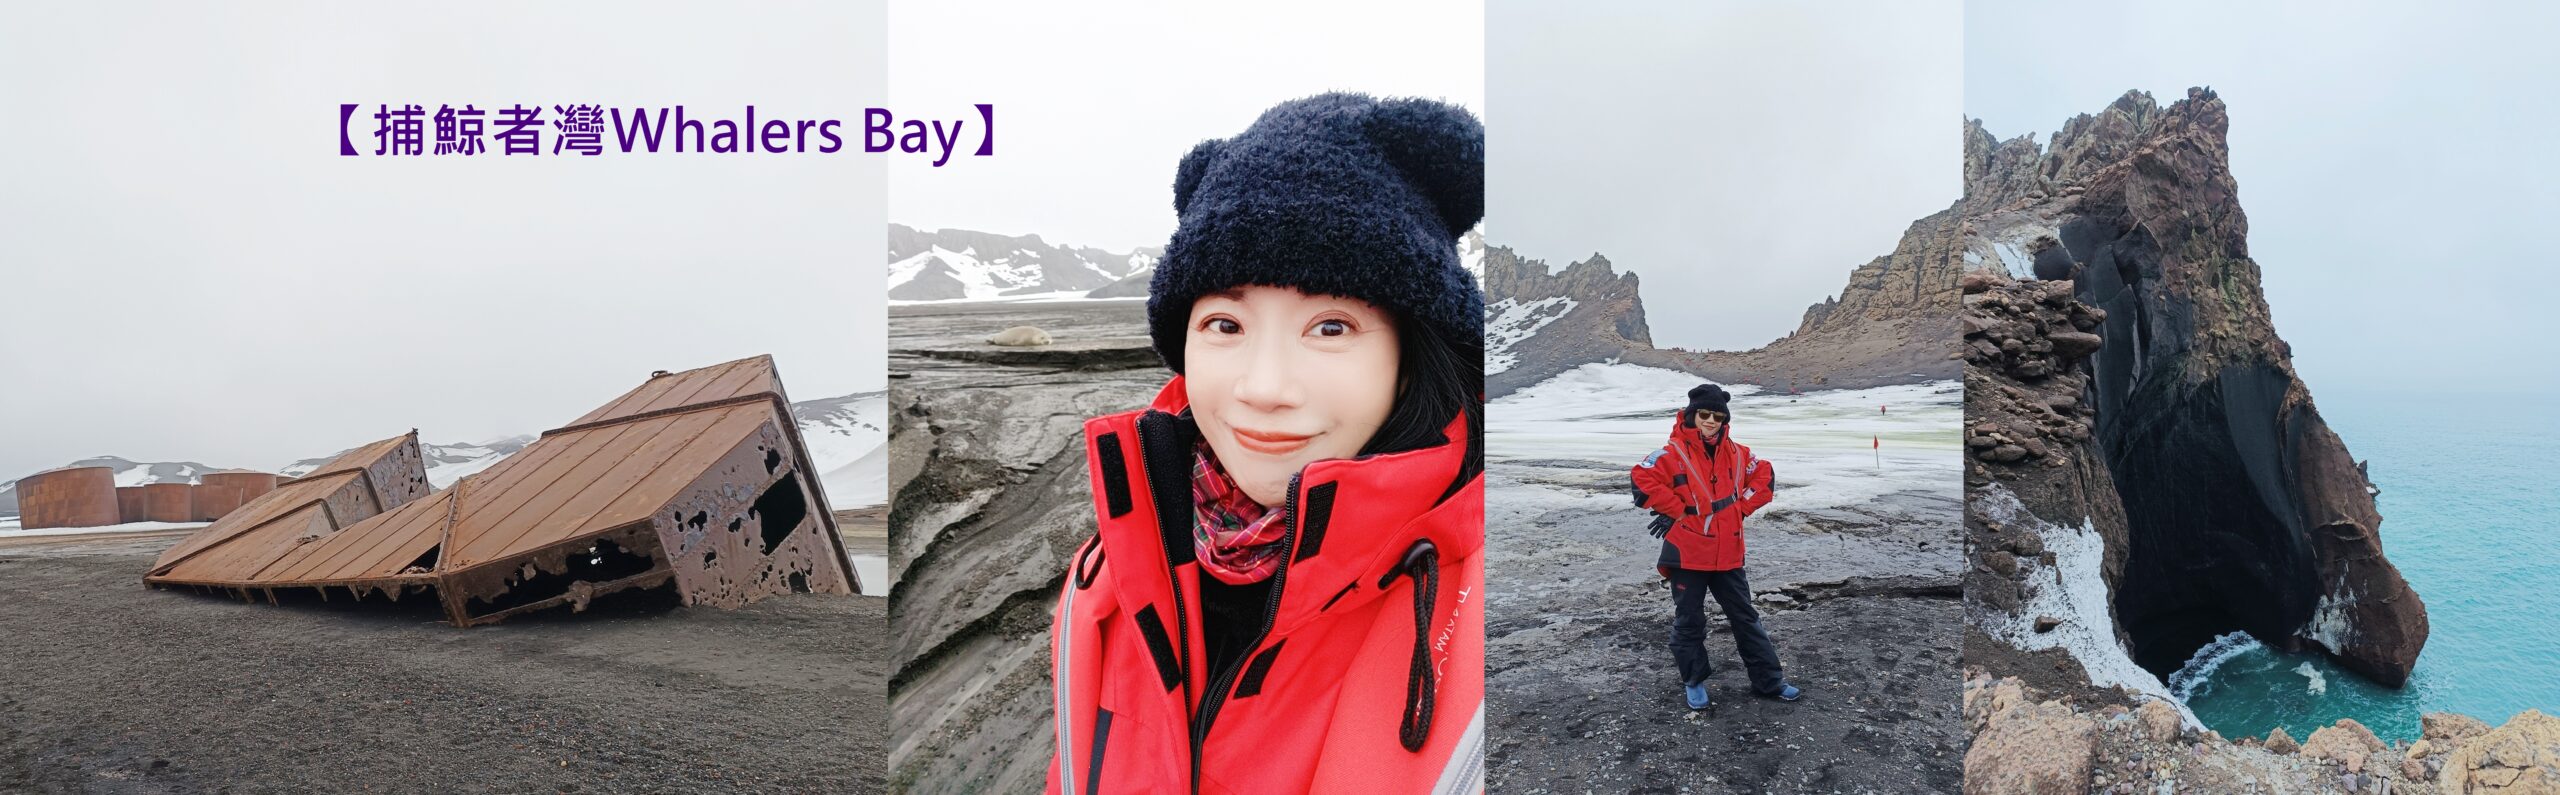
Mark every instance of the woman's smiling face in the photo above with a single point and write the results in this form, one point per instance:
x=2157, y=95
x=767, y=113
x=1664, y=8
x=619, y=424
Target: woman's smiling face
x=1278, y=379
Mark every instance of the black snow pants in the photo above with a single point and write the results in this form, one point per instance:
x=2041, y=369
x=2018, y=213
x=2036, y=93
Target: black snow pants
x=1689, y=590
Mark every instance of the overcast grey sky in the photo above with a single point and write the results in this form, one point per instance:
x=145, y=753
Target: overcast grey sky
x=191, y=272
x=1096, y=101
x=1742, y=157
x=2395, y=161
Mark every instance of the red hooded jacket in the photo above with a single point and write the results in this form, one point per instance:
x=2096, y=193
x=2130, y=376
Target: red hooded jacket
x=1706, y=491
x=1368, y=676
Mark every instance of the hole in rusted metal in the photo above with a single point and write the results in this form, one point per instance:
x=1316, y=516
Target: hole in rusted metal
x=799, y=582
x=603, y=562
x=772, y=461
x=780, y=508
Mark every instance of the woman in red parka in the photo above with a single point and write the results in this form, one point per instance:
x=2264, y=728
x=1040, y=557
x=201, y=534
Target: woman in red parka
x=1700, y=485
x=1286, y=592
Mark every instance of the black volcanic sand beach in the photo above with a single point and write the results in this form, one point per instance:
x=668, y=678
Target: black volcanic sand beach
x=1863, y=602
x=108, y=686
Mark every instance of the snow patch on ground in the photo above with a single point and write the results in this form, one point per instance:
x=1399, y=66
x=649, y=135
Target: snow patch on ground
x=1829, y=448
x=2073, y=590
x=10, y=528
x=2009, y=240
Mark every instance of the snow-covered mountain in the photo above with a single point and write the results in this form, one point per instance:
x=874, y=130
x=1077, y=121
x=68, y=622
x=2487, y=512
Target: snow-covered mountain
x=1470, y=256
x=848, y=444
x=128, y=473
x=446, y=463
x=962, y=265
x=1471, y=253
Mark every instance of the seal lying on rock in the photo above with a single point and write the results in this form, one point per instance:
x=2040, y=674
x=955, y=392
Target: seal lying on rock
x=1020, y=336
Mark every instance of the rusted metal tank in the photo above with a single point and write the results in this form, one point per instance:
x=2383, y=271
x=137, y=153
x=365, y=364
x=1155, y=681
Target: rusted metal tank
x=695, y=481
x=250, y=484
x=220, y=493
x=212, y=501
x=131, y=505
x=168, y=502
x=72, y=497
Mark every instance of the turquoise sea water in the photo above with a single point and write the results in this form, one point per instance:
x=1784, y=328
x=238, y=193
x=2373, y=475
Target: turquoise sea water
x=2471, y=514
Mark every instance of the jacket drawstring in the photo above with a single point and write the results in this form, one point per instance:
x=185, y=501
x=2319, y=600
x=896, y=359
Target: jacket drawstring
x=1422, y=563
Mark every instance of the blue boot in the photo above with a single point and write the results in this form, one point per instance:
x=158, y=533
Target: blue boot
x=1697, y=695
x=1786, y=692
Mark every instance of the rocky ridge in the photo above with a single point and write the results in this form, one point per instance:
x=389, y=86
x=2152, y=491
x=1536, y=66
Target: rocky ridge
x=2125, y=384
x=1892, y=323
x=2027, y=740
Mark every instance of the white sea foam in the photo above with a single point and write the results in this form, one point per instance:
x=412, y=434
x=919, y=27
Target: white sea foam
x=2195, y=678
x=2319, y=685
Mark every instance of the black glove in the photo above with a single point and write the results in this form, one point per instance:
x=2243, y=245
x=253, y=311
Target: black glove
x=1661, y=524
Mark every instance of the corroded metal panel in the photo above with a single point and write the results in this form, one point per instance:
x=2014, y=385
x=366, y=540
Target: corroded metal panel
x=748, y=528
x=236, y=550
x=697, y=481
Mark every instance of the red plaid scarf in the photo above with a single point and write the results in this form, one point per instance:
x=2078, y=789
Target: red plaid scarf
x=1235, y=538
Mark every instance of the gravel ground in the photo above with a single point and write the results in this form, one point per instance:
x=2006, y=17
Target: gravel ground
x=1862, y=602
x=107, y=686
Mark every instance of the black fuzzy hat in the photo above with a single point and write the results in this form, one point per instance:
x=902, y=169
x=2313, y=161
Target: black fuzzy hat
x=1334, y=194
x=1708, y=397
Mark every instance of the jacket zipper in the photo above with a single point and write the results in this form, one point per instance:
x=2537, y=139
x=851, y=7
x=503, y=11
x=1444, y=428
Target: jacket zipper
x=1217, y=695
x=1698, y=490
x=1147, y=463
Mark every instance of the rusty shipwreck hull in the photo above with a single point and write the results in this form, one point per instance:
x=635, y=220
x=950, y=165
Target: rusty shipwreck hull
x=696, y=481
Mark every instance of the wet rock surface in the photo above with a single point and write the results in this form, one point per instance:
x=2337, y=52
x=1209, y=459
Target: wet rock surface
x=990, y=496
x=1580, y=688
x=106, y=686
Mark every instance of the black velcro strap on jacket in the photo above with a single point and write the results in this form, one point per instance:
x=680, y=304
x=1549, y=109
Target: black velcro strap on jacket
x=1164, y=450
x=1640, y=497
x=1115, y=474
x=1093, y=761
x=1691, y=510
x=1720, y=505
x=1160, y=646
x=1251, y=684
x=1313, y=518
x=1679, y=480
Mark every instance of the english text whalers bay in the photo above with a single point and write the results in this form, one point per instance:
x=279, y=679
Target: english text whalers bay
x=588, y=130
